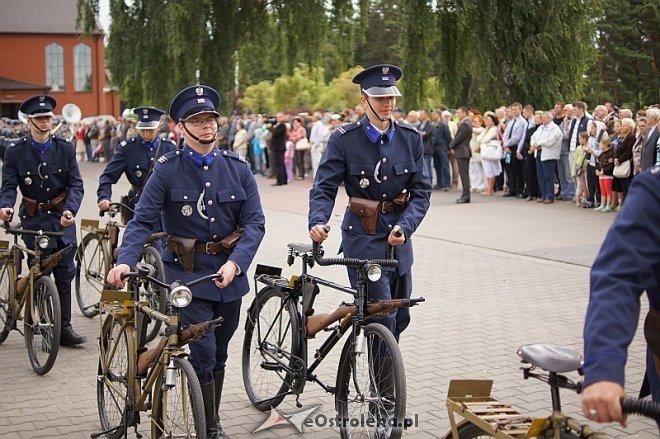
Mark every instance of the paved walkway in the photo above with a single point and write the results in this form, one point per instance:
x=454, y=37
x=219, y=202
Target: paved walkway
x=496, y=274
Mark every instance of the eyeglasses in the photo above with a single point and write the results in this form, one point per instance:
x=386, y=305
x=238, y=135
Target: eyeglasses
x=201, y=122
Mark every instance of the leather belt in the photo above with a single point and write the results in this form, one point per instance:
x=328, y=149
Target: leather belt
x=209, y=248
x=55, y=203
x=386, y=206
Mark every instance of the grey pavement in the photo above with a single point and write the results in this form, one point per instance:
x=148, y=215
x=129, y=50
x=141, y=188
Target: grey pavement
x=497, y=273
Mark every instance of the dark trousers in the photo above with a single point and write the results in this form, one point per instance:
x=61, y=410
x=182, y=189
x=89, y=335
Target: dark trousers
x=518, y=175
x=531, y=181
x=546, y=176
x=592, y=185
x=278, y=167
x=390, y=286
x=299, y=163
x=464, y=173
x=441, y=164
x=209, y=354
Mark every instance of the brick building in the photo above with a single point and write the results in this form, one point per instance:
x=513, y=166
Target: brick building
x=42, y=51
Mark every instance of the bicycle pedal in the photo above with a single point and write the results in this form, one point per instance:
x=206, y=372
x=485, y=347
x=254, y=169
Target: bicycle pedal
x=269, y=365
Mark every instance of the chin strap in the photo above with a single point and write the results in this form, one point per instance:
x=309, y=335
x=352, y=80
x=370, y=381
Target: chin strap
x=38, y=129
x=374, y=111
x=197, y=139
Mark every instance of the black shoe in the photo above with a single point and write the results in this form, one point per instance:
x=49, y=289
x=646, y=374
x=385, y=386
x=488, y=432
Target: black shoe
x=68, y=337
x=462, y=201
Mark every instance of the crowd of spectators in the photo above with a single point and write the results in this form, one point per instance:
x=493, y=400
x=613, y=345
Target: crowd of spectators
x=566, y=153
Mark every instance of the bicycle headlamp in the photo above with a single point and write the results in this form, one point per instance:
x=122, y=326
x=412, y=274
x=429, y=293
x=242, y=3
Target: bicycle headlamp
x=374, y=272
x=180, y=295
x=43, y=242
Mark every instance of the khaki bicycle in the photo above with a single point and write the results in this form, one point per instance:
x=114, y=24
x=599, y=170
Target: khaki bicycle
x=35, y=294
x=133, y=379
x=370, y=386
x=485, y=416
x=95, y=257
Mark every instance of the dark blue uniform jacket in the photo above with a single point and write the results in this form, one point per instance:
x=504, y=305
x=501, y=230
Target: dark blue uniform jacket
x=42, y=171
x=186, y=188
x=391, y=163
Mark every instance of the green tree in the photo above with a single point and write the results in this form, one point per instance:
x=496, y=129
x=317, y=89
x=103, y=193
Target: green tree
x=341, y=92
x=259, y=98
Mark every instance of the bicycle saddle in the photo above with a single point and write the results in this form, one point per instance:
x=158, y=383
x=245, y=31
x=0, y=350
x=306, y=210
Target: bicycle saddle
x=300, y=248
x=552, y=358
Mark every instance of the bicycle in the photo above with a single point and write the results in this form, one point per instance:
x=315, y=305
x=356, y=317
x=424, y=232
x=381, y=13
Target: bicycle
x=133, y=379
x=35, y=292
x=485, y=416
x=371, y=380
x=96, y=255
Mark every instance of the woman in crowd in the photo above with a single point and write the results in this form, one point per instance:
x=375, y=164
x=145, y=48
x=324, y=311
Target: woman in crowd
x=240, y=145
x=477, y=177
x=81, y=148
x=490, y=136
x=639, y=143
x=622, y=154
x=580, y=169
x=297, y=134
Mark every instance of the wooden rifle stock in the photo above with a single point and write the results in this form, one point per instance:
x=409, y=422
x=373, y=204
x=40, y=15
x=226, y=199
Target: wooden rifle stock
x=381, y=308
x=47, y=265
x=147, y=358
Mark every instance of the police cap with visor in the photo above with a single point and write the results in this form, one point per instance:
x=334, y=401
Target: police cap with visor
x=194, y=100
x=148, y=118
x=38, y=106
x=379, y=80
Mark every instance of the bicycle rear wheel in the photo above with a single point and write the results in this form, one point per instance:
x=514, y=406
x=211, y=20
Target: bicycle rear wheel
x=371, y=387
x=178, y=410
x=113, y=395
x=43, y=327
x=6, y=310
x=91, y=269
x=272, y=341
x=151, y=293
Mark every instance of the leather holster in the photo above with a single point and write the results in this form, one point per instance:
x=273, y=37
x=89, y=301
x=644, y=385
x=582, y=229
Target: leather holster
x=184, y=249
x=367, y=210
x=230, y=241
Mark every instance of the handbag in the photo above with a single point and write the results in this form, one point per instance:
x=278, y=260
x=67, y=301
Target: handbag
x=302, y=144
x=492, y=151
x=622, y=170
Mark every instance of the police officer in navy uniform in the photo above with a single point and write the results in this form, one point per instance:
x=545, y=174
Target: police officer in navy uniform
x=135, y=157
x=45, y=169
x=382, y=160
x=627, y=265
x=205, y=194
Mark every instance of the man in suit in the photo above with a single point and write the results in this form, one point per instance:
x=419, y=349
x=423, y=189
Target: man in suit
x=461, y=147
x=278, y=147
x=652, y=139
x=514, y=136
x=441, y=152
x=427, y=130
x=579, y=124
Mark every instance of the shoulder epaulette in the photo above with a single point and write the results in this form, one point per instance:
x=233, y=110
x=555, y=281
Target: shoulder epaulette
x=18, y=142
x=169, y=155
x=343, y=129
x=233, y=155
x=407, y=126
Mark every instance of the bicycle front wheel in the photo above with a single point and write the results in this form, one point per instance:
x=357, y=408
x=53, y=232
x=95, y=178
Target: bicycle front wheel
x=152, y=293
x=271, y=343
x=91, y=269
x=113, y=396
x=371, y=386
x=178, y=409
x=43, y=327
x=6, y=309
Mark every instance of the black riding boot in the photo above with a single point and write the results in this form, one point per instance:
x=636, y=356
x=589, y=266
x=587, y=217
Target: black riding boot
x=208, y=394
x=68, y=336
x=219, y=381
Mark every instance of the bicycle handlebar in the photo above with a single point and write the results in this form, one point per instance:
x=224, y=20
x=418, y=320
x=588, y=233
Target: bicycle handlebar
x=643, y=407
x=354, y=262
x=103, y=212
x=20, y=231
x=146, y=271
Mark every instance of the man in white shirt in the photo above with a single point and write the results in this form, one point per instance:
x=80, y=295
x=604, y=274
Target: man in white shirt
x=318, y=138
x=546, y=142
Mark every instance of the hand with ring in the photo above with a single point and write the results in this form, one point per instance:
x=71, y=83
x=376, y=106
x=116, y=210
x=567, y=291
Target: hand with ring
x=600, y=402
